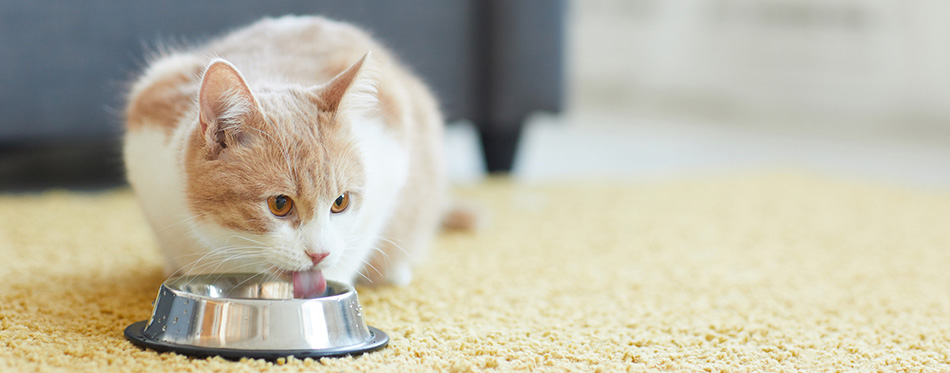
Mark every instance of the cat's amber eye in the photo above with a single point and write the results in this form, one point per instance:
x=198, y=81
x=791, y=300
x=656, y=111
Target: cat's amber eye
x=340, y=203
x=280, y=205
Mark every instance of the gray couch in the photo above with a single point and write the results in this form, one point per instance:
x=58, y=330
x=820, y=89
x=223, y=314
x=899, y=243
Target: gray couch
x=63, y=66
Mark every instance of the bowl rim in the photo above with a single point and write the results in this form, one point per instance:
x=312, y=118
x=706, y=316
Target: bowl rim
x=347, y=290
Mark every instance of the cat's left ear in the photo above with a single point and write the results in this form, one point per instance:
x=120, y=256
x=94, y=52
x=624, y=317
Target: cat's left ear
x=226, y=105
x=350, y=93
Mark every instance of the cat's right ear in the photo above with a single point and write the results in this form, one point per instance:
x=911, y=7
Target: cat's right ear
x=225, y=105
x=352, y=92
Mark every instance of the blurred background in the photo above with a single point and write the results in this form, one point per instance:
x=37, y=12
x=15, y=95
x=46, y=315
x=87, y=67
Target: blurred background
x=857, y=88
x=592, y=89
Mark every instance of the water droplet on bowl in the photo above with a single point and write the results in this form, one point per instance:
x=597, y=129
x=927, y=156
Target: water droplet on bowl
x=186, y=301
x=164, y=327
x=176, y=321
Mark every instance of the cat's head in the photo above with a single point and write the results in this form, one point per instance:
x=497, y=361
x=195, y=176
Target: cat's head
x=274, y=175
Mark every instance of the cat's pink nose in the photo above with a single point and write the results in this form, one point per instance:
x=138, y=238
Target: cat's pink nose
x=317, y=258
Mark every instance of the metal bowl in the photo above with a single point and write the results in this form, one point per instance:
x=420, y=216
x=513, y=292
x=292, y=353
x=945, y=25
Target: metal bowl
x=240, y=315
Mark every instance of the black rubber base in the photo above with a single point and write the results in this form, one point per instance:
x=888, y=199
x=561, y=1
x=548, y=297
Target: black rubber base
x=135, y=334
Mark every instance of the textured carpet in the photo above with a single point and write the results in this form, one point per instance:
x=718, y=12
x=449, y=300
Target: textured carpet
x=778, y=272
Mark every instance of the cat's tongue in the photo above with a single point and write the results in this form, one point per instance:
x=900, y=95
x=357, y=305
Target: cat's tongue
x=309, y=284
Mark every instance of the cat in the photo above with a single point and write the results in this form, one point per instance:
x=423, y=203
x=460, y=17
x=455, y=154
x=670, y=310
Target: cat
x=296, y=146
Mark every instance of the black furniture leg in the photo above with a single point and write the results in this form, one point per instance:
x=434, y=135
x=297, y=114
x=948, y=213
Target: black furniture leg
x=520, y=72
x=499, y=146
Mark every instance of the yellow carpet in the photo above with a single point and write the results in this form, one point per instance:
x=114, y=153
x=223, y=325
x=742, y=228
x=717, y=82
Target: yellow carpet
x=778, y=272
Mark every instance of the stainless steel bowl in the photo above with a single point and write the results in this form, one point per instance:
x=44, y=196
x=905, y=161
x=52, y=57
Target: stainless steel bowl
x=251, y=315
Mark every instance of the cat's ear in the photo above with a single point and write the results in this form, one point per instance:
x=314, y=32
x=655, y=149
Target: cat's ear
x=350, y=93
x=225, y=104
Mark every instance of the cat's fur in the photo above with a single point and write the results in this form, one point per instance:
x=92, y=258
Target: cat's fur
x=299, y=106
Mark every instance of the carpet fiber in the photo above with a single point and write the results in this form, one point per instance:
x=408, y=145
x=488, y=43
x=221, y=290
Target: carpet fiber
x=779, y=272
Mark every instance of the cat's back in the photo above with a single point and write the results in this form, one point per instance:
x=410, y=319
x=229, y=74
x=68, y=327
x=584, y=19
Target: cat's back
x=271, y=48
x=305, y=50
x=301, y=50
x=311, y=50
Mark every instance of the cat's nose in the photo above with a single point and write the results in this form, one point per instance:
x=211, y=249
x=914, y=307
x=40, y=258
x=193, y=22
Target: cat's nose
x=316, y=258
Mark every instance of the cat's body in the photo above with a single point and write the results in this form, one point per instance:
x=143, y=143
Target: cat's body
x=289, y=153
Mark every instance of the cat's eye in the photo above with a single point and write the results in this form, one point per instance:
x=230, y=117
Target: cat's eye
x=280, y=205
x=340, y=204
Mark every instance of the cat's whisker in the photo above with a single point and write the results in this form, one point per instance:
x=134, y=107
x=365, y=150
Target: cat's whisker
x=201, y=268
x=383, y=253
x=239, y=257
x=245, y=280
x=392, y=242
x=182, y=221
x=360, y=273
x=194, y=264
x=273, y=272
x=243, y=238
x=225, y=250
x=234, y=269
x=247, y=248
x=220, y=251
x=345, y=261
x=367, y=263
x=230, y=248
x=177, y=272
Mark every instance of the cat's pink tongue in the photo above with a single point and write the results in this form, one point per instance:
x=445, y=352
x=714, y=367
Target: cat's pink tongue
x=309, y=284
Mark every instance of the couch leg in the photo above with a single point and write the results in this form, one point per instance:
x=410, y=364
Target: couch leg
x=499, y=147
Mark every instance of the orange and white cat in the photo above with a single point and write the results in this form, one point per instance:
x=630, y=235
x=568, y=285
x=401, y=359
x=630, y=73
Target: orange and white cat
x=296, y=146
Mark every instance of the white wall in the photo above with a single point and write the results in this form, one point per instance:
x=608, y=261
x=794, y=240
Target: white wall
x=885, y=62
